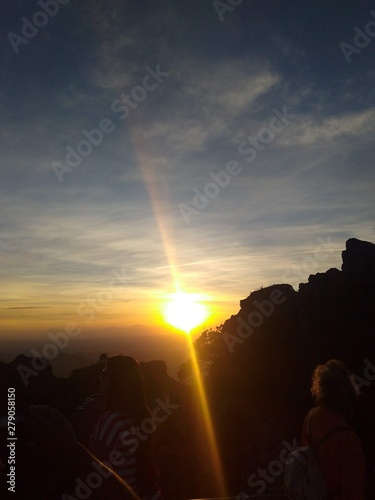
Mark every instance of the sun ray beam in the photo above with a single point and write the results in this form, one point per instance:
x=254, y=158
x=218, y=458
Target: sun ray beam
x=162, y=224
x=214, y=453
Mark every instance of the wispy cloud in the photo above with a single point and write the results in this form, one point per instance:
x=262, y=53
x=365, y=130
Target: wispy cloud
x=118, y=209
x=315, y=130
x=29, y=307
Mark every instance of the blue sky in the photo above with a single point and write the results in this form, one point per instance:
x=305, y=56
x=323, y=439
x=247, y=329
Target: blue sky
x=221, y=78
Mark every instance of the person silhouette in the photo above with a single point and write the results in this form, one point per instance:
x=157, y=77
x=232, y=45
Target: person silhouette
x=65, y=468
x=340, y=456
x=116, y=436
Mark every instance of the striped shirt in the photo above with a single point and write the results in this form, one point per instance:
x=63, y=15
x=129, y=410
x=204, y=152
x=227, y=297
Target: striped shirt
x=113, y=433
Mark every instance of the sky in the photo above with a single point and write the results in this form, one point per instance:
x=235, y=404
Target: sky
x=215, y=147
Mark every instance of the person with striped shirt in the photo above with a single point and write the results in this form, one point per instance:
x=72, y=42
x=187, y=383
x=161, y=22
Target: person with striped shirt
x=115, y=433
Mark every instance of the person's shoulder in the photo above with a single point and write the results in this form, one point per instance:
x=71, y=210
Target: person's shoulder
x=329, y=417
x=320, y=421
x=311, y=415
x=342, y=433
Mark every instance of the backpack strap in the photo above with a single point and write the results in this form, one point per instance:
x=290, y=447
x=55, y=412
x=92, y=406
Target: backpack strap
x=336, y=430
x=329, y=434
x=308, y=431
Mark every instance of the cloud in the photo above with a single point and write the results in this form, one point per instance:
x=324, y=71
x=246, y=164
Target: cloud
x=210, y=97
x=311, y=130
x=30, y=307
x=119, y=207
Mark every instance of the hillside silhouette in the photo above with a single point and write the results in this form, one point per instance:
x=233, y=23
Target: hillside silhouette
x=257, y=368
x=261, y=383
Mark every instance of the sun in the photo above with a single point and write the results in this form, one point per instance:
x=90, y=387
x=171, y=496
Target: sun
x=185, y=312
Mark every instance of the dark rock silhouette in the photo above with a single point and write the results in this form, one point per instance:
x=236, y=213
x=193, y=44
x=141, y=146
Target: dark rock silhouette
x=359, y=260
x=103, y=357
x=262, y=360
x=32, y=385
x=258, y=368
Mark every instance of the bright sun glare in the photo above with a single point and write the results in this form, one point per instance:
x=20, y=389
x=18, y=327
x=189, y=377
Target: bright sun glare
x=185, y=312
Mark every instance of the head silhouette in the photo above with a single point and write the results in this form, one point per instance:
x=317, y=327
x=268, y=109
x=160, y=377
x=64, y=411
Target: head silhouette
x=122, y=386
x=333, y=387
x=123, y=390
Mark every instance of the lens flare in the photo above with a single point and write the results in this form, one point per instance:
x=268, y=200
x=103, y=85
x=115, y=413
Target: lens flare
x=178, y=307
x=185, y=312
x=213, y=448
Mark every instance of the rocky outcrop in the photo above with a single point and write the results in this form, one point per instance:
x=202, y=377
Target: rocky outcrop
x=359, y=261
x=268, y=350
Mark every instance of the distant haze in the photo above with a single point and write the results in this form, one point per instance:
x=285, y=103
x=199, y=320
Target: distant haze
x=173, y=349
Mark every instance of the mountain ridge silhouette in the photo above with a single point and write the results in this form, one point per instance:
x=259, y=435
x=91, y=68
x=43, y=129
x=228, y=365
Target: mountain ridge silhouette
x=259, y=391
